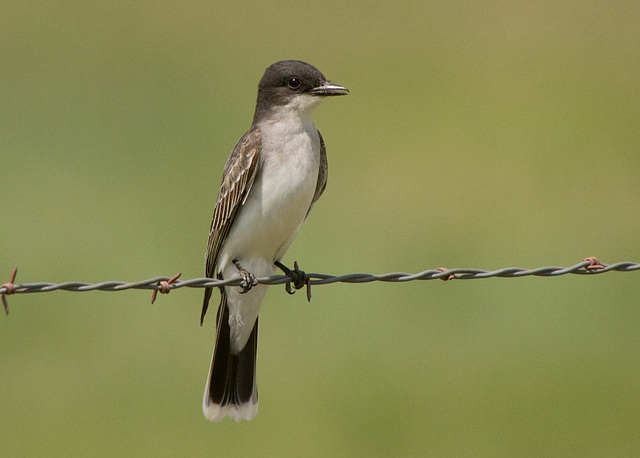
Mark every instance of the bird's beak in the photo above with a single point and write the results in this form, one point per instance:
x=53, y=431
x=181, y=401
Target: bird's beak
x=329, y=89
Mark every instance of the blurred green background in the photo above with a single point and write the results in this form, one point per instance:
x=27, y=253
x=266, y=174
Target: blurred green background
x=477, y=134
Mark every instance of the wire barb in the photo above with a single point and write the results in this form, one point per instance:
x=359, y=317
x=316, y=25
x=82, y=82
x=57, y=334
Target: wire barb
x=9, y=288
x=445, y=277
x=589, y=266
x=298, y=277
x=165, y=287
x=594, y=264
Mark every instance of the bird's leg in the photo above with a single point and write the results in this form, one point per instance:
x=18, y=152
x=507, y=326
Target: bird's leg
x=298, y=277
x=248, y=279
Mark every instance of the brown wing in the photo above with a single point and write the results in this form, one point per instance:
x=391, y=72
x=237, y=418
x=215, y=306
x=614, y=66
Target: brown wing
x=237, y=179
x=323, y=172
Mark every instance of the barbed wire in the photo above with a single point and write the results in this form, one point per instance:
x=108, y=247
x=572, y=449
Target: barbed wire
x=588, y=266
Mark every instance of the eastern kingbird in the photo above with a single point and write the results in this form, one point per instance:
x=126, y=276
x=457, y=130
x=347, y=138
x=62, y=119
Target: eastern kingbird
x=273, y=176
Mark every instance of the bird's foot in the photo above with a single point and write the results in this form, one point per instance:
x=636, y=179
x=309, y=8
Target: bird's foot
x=298, y=277
x=248, y=279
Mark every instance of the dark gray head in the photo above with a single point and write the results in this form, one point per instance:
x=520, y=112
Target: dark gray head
x=295, y=84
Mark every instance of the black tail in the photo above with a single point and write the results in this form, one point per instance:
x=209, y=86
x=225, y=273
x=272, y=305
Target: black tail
x=231, y=388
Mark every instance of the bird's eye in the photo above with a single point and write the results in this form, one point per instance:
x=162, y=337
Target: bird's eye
x=293, y=83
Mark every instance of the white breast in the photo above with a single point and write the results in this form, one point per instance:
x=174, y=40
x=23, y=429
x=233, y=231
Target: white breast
x=280, y=197
x=275, y=209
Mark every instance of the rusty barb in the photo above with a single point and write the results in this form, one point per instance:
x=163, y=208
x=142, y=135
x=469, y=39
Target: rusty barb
x=594, y=264
x=10, y=289
x=447, y=277
x=165, y=287
x=589, y=266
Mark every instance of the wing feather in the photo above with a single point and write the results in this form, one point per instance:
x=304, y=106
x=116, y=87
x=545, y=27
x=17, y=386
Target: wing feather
x=323, y=172
x=237, y=179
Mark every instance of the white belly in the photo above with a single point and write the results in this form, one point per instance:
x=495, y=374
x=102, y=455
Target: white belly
x=267, y=223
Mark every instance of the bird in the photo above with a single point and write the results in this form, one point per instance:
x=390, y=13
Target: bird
x=273, y=177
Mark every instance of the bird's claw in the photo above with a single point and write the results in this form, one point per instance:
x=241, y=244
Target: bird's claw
x=298, y=277
x=248, y=279
x=287, y=288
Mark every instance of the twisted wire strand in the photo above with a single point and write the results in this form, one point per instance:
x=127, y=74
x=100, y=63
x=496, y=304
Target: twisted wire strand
x=582, y=268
